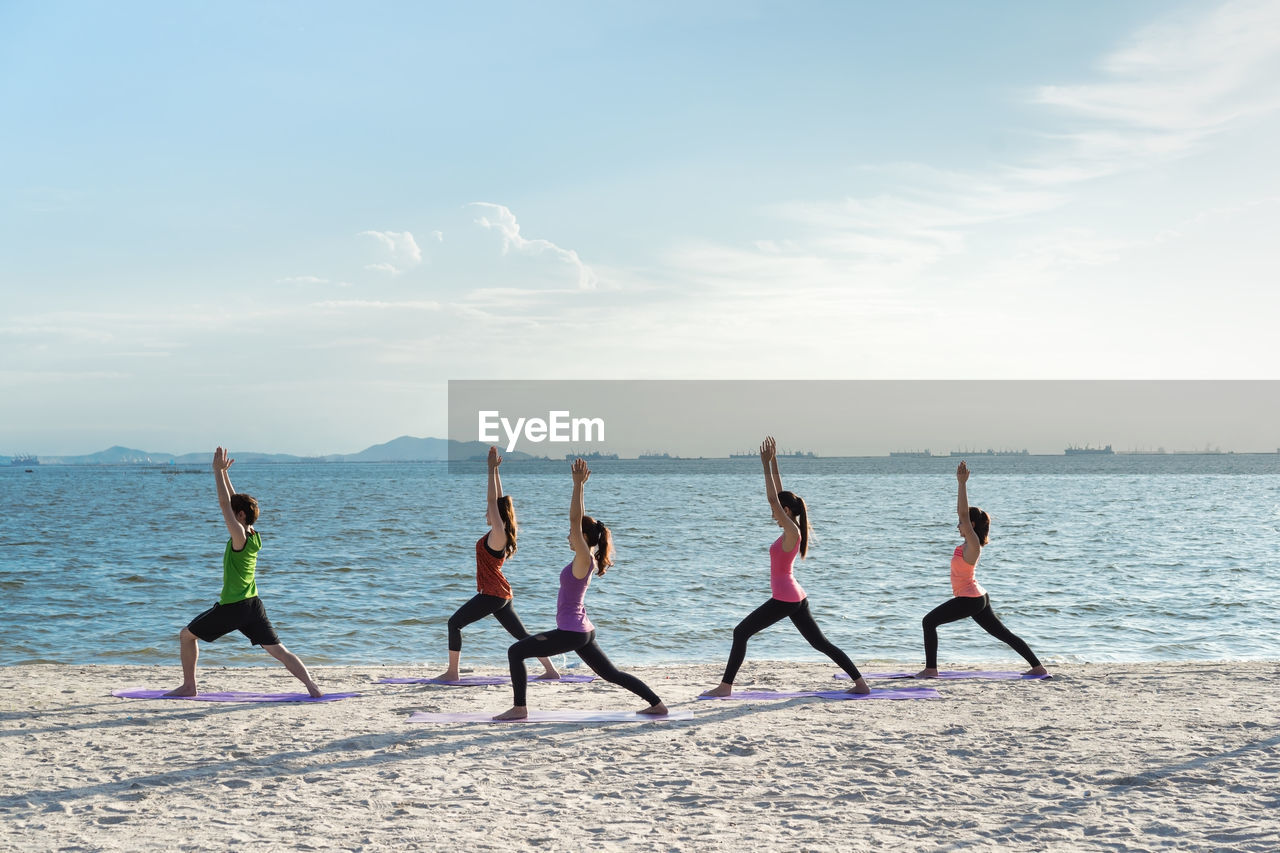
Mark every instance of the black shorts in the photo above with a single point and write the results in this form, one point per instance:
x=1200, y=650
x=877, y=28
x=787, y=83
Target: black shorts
x=248, y=617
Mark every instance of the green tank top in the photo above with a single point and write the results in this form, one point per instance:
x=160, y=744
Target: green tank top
x=237, y=571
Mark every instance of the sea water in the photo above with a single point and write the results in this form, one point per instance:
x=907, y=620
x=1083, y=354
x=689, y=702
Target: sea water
x=1115, y=558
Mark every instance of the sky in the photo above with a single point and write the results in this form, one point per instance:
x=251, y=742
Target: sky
x=285, y=226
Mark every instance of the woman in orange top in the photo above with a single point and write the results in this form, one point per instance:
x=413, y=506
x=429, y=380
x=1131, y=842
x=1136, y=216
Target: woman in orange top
x=971, y=600
x=494, y=592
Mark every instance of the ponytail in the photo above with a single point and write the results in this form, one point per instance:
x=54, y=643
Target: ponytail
x=598, y=537
x=795, y=503
x=507, y=512
x=981, y=523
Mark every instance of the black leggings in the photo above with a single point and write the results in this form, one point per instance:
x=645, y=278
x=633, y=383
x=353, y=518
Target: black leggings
x=773, y=611
x=559, y=642
x=978, y=608
x=479, y=607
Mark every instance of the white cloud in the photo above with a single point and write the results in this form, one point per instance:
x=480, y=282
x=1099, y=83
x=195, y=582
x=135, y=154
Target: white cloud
x=402, y=249
x=500, y=218
x=352, y=304
x=1173, y=84
x=1157, y=98
x=302, y=279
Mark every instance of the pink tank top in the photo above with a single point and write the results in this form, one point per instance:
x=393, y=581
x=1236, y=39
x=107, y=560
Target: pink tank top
x=963, y=584
x=571, y=609
x=782, y=583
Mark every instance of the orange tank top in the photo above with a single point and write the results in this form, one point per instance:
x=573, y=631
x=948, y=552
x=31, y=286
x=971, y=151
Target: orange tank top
x=489, y=577
x=963, y=584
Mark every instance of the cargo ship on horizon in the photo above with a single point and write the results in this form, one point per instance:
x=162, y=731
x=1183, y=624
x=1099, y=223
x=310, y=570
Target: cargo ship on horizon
x=990, y=452
x=593, y=456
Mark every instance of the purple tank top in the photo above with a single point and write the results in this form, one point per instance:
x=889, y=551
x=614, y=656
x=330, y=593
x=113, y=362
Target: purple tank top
x=571, y=612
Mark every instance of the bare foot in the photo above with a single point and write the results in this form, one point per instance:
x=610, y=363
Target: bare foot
x=550, y=675
x=860, y=687
x=314, y=690
x=184, y=690
x=657, y=710
x=1037, y=670
x=927, y=672
x=725, y=689
x=517, y=712
x=447, y=675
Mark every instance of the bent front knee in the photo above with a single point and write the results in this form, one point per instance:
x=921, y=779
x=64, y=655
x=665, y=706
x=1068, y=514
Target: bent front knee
x=186, y=636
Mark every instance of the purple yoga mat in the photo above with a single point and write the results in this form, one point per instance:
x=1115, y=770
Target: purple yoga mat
x=896, y=693
x=561, y=716
x=955, y=674
x=473, y=680
x=232, y=696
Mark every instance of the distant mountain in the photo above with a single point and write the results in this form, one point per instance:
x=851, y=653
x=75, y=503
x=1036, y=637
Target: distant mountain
x=406, y=448
x=111, y=456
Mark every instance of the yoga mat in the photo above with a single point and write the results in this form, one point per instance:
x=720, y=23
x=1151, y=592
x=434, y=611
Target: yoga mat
x=955, y=674
x=896, y=693
x=473, y=680
x=232, y=696
x=562, y=716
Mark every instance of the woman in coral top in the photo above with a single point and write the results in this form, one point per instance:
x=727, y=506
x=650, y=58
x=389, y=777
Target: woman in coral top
x=788, y=598
x=493, y=595
x=971, y=600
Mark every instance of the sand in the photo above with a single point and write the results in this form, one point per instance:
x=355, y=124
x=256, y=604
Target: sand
x=1103, y=757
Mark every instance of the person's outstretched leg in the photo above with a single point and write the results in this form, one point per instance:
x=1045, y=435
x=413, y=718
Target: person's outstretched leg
x=762, y=617
x=476, y=608
x=949, y=611
x=803, y=620
x=189, y=652
x=509, y=619
x=600, y=664
x=542, y=645
x=986, y=617
x=295, y=666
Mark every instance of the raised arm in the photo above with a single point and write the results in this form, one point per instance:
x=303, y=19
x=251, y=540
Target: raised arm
x=772, y=481
x=773, y=466
x=972, y=546
x=577, y=510
x=239, y=534
x=497, y=532
x=773, y=485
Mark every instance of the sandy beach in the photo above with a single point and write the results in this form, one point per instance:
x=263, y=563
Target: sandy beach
x=1104, y=756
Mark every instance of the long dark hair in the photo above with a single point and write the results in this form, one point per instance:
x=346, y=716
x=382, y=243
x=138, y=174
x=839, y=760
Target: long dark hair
x=981, y=524
x=598, y=537
x=795, y=503
x=507, y=512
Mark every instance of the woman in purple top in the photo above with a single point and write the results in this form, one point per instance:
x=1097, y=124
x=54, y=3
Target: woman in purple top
x=592, y=550
x=788, y=598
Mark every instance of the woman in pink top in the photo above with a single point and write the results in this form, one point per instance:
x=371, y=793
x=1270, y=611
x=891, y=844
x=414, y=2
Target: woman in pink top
x=971, y=600
x=788, y=599
x=592, y=551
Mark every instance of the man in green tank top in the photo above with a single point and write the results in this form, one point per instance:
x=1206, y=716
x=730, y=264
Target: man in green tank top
x=239, y=608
